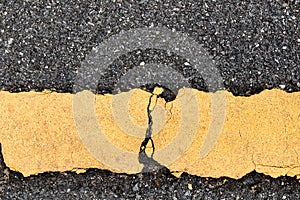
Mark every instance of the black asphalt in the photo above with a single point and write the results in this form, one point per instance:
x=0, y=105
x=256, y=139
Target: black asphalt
x=256, y=45
x=99, y=184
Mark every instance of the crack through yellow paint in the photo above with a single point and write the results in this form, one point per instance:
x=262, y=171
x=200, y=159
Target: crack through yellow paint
x=262, y=132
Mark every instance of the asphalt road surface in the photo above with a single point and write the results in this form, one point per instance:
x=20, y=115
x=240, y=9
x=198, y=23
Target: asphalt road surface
x=255, y=45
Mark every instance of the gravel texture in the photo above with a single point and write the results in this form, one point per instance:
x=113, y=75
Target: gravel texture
x=98, y=184
x=255, y=45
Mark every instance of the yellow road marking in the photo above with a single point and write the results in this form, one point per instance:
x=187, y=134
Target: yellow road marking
x=262, y=132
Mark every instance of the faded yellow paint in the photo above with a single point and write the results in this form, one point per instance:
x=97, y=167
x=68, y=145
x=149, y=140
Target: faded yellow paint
x=262, y=132
x=79, y=171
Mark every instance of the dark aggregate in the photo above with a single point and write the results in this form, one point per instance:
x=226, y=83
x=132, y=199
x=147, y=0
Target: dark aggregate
x=42, y=44
x=100, y=184
x=256, y=43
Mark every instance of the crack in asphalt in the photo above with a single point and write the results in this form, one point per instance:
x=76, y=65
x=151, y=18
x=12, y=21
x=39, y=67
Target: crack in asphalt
x=148, y=161
x=148, y=135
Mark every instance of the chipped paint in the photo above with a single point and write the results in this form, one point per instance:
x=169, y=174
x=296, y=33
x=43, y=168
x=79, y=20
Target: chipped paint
x=260, y=132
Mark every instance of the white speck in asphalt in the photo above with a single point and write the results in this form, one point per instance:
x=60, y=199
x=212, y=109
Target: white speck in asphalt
x=135, y=188
x=91, y=24
x=282, y=86
x=10, y=41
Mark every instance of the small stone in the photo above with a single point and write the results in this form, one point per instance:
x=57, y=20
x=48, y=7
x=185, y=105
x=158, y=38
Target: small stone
x=282, y=86
x=190, y=186
x=142, y=63
x=135, y=187
x=91, y=24
x=187, y=193
x=10, y=41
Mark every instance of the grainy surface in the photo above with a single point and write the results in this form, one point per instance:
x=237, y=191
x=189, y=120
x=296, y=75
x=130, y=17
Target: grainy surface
x=256, y=44
x=98, y=184
x=260, y=132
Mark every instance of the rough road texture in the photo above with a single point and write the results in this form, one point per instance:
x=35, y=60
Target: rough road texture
x=256, y=44
x=98, y=184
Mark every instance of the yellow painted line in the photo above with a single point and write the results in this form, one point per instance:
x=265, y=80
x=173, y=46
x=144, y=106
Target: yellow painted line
x=42, y=132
